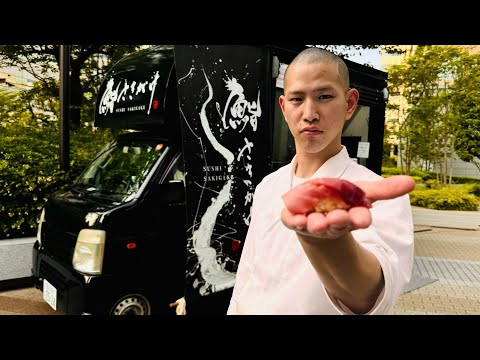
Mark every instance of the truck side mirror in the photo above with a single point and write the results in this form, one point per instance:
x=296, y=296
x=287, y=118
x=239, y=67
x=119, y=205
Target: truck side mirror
x=175, y=192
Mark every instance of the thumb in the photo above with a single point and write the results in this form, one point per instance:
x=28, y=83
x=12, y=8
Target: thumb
x=387, y=188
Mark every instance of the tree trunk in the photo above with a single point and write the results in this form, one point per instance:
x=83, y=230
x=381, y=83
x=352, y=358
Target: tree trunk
x=452, y=151
x=445, y=163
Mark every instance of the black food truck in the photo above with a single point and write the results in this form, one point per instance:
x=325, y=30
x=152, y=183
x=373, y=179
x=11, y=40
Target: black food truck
x=161, y=212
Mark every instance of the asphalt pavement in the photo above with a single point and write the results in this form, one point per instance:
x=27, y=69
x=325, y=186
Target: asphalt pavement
x=448, y=219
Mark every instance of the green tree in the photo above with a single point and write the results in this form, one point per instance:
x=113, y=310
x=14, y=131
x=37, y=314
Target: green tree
x=426, y=81
x=466, y=95
x=88, y=66
x=11, y=106
x=29, y=157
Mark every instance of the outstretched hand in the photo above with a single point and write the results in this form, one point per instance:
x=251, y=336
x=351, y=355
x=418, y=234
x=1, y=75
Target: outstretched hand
x=338, y=222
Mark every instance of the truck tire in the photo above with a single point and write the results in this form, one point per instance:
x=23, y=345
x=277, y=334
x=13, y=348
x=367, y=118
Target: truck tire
x=131, y=304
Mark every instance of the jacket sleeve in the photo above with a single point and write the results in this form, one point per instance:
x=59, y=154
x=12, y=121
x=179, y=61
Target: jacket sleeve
x=391, y=239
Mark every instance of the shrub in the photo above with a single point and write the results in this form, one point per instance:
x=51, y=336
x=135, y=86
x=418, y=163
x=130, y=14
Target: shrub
x=465, y=180
x=417, y=179
x=390, y=171
x=30, y=168
x=446, y=198
x=473, y=189
x=433, y=184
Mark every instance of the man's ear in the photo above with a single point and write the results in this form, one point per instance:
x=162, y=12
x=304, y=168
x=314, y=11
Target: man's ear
x=281, y=101
x=352, y=101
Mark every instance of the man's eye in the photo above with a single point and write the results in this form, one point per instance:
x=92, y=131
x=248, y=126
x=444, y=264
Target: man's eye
x=325, y=97
x=296, y=99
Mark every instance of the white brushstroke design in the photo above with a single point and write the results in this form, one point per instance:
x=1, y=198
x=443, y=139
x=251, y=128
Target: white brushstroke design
x=212, y=262
x=189, y=73
x=215, y=276
x=112, y=97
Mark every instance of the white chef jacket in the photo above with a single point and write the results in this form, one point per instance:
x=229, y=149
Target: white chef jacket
x=275, y=276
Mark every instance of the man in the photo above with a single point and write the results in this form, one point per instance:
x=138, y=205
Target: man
x=354, y=261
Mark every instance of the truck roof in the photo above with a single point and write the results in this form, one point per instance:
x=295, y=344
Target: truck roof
x=137, y=92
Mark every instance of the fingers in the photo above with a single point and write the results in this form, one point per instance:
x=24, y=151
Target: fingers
x=334, y=224
x=337, y=221
x=387, y=188
x=293, y=221
x=360, y=217
x=317, y=223
x=340, y=220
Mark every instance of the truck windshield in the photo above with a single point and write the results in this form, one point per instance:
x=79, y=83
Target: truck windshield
x=120, y=169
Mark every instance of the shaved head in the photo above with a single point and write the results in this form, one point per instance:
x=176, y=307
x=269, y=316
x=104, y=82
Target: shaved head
x=317, y=55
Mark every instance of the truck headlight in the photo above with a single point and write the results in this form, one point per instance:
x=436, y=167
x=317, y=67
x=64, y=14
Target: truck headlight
x=89, y=249
x=39, y=228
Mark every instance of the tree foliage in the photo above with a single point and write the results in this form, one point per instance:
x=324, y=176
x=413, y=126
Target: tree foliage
x=433, y=83
x=466, y=95
x=29, y=163
x=88, y=66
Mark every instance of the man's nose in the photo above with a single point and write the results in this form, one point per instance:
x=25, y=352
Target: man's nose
x=310, y=111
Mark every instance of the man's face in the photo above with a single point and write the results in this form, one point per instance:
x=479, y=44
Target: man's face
x=316, y=106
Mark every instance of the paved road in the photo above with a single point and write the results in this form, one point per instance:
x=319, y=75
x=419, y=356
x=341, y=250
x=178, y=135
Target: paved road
x=466, y=220
x=445, y=279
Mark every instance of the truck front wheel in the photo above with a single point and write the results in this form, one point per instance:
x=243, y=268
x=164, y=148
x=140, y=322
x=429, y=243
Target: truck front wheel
x=132, y=304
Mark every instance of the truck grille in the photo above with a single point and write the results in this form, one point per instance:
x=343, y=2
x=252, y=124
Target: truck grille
x=61, y=247
x=53, y=276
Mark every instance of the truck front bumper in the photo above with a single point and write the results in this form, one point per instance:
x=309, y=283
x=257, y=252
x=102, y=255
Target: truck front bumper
x=72, y=292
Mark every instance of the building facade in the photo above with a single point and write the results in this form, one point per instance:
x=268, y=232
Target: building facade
x=15, y=79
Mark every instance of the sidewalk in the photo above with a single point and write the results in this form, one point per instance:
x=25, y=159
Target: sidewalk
x=24, y=301
x=447, y=269
x=446, y=273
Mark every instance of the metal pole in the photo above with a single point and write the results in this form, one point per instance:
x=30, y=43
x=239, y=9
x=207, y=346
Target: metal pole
x=65, y=107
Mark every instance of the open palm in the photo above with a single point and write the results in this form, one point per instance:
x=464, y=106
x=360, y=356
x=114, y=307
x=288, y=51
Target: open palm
x=338, y=222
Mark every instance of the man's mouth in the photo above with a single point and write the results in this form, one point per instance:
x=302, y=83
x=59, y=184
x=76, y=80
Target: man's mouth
x=311, y=130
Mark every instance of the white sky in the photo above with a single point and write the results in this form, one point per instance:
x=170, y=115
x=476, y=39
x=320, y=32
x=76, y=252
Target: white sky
x=367, y=57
